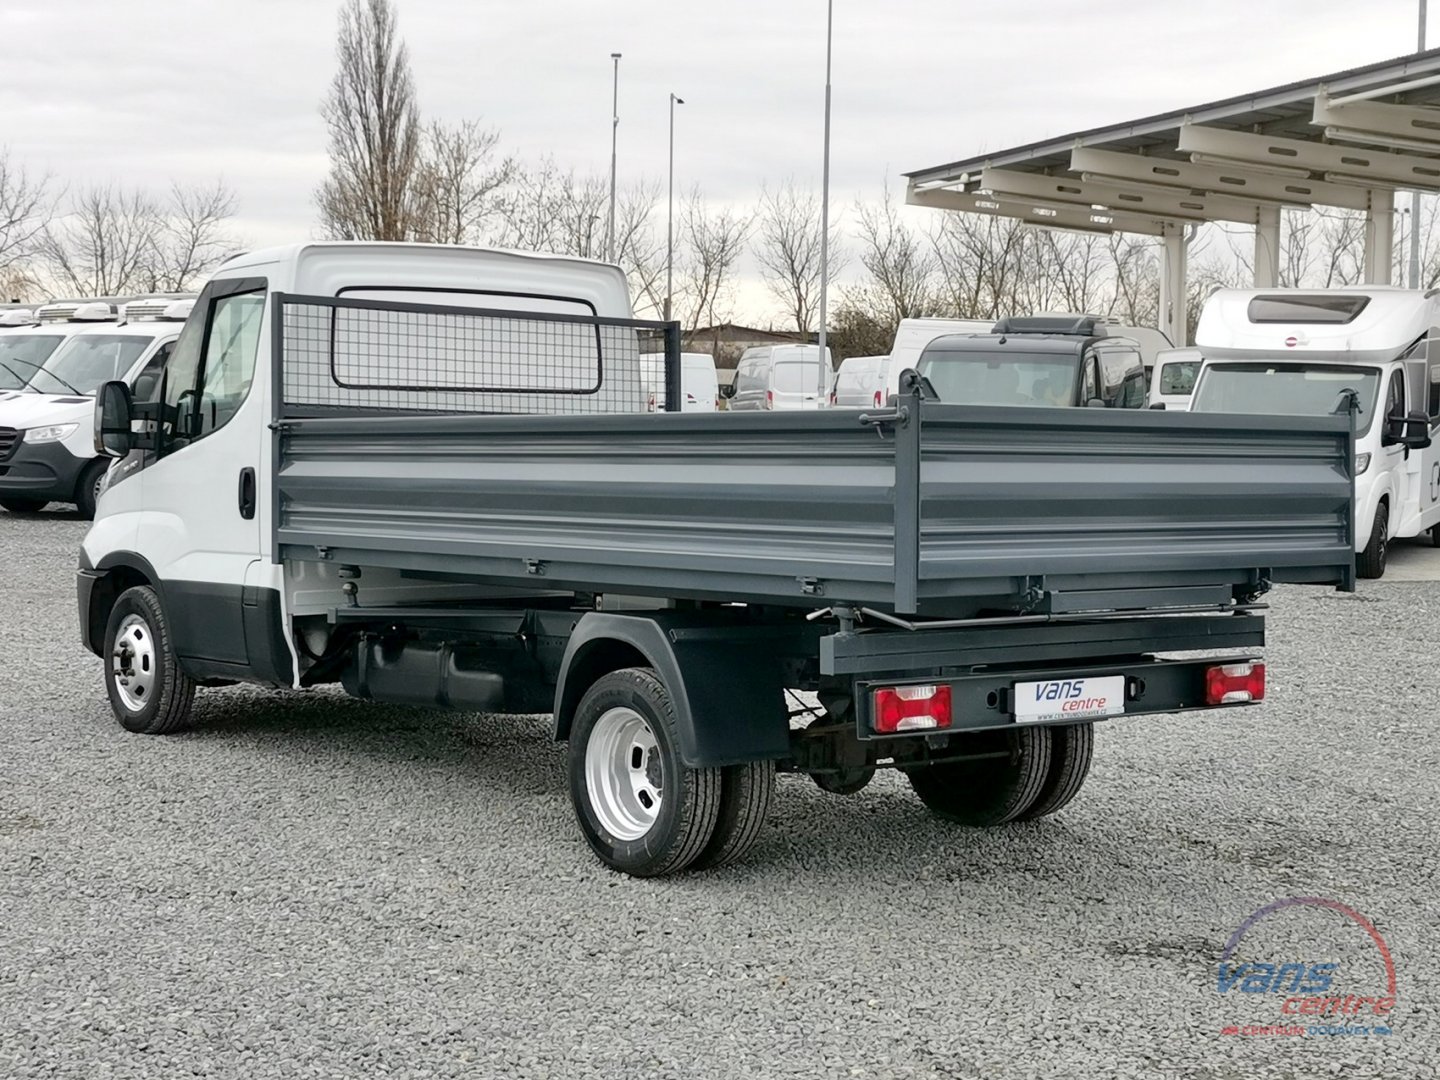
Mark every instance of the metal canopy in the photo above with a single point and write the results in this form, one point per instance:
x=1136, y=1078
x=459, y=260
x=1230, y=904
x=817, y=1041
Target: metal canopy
x=1346, y=140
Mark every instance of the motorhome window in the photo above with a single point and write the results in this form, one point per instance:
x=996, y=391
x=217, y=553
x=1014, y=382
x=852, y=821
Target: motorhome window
x=1435, y=388
x=1276, y=308
x=1178, y=377
x=87, y=360
x=1026, y=379
x=1278, y=389
x=21, y=356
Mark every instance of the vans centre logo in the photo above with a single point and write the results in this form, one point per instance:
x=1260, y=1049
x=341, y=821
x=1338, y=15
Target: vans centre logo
x=1312, y=993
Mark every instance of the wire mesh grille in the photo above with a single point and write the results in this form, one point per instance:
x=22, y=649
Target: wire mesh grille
x=402, y=359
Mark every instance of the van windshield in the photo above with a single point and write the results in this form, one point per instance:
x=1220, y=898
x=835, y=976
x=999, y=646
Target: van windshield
x=87, y=360
x=1281, y=389
x=797, y=377
x=1029, y=379
x=21, y=356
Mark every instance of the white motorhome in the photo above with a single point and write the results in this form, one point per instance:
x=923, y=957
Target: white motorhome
x=860, y=382
x=1173, y=379
x=1311, y=351
x=47, y=439
x=781, y=377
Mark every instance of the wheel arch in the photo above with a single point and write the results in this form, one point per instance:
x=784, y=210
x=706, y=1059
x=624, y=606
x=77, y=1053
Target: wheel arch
x=116, y=572
x=728, y=695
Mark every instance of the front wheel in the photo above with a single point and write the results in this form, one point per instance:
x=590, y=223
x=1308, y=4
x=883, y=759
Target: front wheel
x=87, y=488
x=148, y=692
x=642, y=811
x=1370, y=563
x=989, y=790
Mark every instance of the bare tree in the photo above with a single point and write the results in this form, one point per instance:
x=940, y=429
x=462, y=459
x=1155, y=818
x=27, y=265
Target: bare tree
x=788, y=249
x=25, y=209
x=712, y=241
x=457, y=183
x=550, y=210
x=900, y=270
x=192, y=236
x=637, y=247
x=983, y=268
x=374, y=127
x=105, y=244
x=1071, y=270
x=1136, y=280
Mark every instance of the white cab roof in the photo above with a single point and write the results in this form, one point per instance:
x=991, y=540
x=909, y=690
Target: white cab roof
x=1355, y=323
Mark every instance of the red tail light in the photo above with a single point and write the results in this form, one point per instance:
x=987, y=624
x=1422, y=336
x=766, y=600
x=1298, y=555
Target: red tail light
x=833, y=399
x=650, y=405
x=912, y=708
x=1229, y=683
x=878, y=401
x=769, y=399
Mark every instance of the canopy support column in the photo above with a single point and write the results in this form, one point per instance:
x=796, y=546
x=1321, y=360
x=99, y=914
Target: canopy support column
x=1379, y=237
x=1172, y=314
x=1267, y=247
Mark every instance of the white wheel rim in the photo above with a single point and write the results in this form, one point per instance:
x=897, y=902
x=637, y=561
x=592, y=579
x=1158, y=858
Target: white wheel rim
x=133, y=663
x=623, y=774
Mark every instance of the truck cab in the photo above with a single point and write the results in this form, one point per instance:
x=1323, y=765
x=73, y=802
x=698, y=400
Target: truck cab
x=1371, y=350
x=1037, y=362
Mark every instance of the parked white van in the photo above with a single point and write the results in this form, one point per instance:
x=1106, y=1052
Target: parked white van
x=781, y=377
x=1173, y=379
x=860, y=382
x=27, y=338
x=47, y=437
x=912, y=335
x=1312, y=351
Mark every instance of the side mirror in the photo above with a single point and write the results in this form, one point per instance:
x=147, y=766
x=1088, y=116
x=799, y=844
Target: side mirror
x=1158, y=405
x=1411, y=431
x=113, y=413
x=727, y=390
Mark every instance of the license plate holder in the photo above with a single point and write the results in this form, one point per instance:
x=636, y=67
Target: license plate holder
x=1050, y=701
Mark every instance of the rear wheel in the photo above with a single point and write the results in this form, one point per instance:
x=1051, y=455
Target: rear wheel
x=1370, y=563
x=18, y=505
x=148, y=692
x=745, y=794
x=87, y=489
x=642, y=811
x=1070, y=751
x=988, y=790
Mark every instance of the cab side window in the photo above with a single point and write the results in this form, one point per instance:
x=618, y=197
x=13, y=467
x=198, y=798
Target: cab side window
x=212, y=364
x=1122, y=378
x=1090, y=386
x=1395, y=396
x=147, y=384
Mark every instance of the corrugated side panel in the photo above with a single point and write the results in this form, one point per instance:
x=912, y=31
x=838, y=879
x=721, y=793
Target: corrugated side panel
x=1082, y=496
x=741, y=507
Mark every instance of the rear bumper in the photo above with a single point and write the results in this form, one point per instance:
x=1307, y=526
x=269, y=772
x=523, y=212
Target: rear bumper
x=984, y=701
x=41, y=471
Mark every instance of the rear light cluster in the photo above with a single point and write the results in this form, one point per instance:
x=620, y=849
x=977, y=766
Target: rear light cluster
x=769, y=399
x=833, y=399
x=1227, y=684
x=911, y=708
x=878, y=400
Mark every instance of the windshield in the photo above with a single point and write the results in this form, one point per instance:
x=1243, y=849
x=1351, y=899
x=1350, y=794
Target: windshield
x=21, y=356
x=1179, y=377
x=1280, y=389
x=797, y=377
x=1032, y=379
x=87, y=360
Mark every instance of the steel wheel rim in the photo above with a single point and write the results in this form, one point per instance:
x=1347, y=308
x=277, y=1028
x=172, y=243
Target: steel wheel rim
x=623, y=774
x=133, y=662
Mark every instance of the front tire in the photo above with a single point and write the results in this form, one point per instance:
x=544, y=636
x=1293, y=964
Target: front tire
x=988, y=791
x=87, y=488
x=148, y=691
x=641, y=810
x=1370, y=563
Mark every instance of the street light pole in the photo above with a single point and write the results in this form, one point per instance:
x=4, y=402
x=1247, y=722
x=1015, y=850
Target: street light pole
x=825, y=207
x=670, y=216
x=1415, y=195
x=614, y=136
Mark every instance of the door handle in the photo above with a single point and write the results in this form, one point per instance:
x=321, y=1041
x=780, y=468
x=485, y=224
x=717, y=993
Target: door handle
x=247, y=493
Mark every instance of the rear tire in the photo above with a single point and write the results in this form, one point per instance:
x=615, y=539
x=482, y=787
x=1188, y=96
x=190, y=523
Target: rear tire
x=18, y=505
x=990, y=791
x=87, y=489
x=1370, y=563
x=148, y=691
x=641, y=810
x=745, y=794
x=1071, y=748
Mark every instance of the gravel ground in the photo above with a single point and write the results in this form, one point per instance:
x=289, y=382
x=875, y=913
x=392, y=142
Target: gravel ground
x=308, y=886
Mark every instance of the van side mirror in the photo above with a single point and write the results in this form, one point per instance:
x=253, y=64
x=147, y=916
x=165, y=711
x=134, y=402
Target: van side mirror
x=114, y=409
x=1411, y=431
x=1158, y=405
x=727, y=390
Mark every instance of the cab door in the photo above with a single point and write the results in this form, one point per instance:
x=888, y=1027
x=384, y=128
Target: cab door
x=199, y=486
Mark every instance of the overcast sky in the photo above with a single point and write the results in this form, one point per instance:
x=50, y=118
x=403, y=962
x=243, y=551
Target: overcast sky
x=139, y=93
